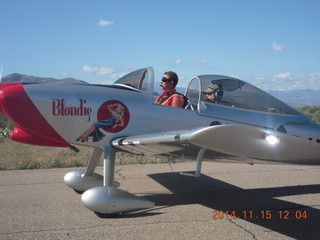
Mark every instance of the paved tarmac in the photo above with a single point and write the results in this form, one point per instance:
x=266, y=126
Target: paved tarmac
x=263, y=202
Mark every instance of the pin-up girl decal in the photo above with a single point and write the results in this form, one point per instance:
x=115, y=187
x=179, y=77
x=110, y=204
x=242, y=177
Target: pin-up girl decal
x=113, y=116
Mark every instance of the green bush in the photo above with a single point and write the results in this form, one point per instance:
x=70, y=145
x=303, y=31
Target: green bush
x=312, y=112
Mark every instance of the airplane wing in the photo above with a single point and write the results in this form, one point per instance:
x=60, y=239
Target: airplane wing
x=223, y=141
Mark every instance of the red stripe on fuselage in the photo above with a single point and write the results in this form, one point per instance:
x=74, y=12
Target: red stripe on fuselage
x=17, y=106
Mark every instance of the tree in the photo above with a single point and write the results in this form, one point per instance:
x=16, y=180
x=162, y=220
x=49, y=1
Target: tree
x=312, y=112
x=5, y=123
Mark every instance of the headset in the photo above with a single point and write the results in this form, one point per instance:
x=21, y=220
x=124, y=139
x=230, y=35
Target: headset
x=218, y=93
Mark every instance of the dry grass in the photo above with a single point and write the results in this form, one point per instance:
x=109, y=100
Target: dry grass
x=15, y=155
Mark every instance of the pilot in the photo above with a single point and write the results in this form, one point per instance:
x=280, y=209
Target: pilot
x=214, y=93
x=170, y=97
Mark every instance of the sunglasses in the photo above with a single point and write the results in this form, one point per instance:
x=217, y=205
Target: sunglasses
x=165, y=80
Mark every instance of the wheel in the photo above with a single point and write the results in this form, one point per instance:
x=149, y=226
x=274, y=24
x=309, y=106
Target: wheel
x=78, y=191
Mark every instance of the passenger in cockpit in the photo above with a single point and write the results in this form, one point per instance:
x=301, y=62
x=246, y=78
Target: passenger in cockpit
x=214, y=94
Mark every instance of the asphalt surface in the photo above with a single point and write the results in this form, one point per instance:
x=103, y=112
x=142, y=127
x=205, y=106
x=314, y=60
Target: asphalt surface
x=263, y=202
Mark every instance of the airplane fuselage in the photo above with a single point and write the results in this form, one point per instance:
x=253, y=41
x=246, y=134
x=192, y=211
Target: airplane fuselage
x=70, y=109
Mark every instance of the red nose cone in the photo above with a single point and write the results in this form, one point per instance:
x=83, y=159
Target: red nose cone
x=2, y=95
x=17, y=106
x=13, y=101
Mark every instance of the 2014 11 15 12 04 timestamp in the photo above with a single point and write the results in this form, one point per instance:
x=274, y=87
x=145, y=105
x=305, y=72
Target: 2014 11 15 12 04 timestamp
x=261, y=214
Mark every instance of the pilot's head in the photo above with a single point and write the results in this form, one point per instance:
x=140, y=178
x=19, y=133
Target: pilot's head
x=169, y=80
x=214, y=93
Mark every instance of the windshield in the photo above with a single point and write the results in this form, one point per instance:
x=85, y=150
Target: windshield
x=239, y=94
x=141, y=79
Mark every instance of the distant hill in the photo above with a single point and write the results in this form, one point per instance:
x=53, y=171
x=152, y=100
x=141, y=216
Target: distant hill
x=16, y=77
x=298, y=98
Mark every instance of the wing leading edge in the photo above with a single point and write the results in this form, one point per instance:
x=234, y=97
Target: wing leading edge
x=223, y=141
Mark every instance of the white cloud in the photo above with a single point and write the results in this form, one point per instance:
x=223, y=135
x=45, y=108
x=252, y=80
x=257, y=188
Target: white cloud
x=178, y=61
x=201, y=61
x=286, y=81
x=87, y=68
x=118, y=75
x=109, y=74
x=314, y=78
x=277, y=47
x=283, y=76
x=98, y=71
x=312, y=81
x=104, y=23
x=105, y=70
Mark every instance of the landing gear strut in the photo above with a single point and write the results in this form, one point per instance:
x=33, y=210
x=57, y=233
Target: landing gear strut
x=80, y=180
x=107, y=199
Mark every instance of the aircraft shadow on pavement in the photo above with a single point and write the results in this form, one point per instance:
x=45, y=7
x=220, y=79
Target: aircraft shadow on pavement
x=221, y=196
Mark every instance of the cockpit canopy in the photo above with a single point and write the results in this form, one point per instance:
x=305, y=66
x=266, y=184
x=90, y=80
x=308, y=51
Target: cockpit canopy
x=142, y=79
x=237, y=94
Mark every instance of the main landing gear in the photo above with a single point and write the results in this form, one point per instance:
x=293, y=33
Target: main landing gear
x=100, y=193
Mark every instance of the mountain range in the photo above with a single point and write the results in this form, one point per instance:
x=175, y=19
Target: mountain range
x=16, y=77
x=298, y=98
x=295, y=98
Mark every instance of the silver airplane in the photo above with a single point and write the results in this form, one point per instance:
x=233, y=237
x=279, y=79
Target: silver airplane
x=248, y=126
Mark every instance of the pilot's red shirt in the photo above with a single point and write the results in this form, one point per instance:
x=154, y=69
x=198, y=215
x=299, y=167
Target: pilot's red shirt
x=174, y=100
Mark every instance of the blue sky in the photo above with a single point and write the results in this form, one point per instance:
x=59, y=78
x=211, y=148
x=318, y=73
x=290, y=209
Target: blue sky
x=273, y=44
